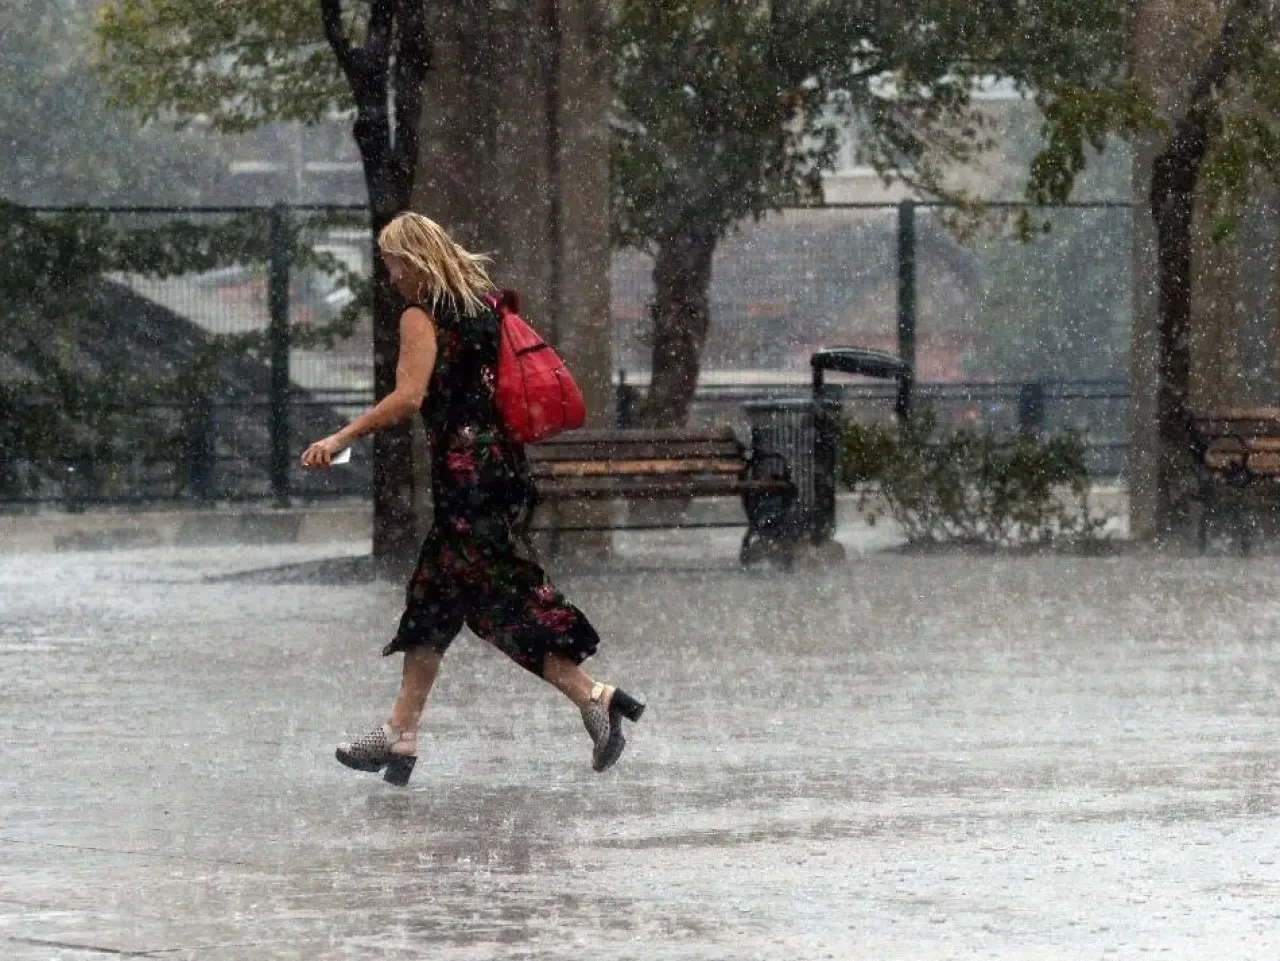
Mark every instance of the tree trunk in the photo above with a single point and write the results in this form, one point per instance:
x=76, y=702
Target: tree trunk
x=395, y=528
x=1173, y=183
x=681, y=315
x=1175, y=177
x=380, y=84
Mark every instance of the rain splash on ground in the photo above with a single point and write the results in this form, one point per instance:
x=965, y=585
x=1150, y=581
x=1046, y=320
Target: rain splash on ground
x=896, y=758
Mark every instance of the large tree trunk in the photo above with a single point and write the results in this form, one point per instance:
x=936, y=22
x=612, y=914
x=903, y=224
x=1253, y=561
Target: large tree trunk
x=1173, y=184
x=395, y=527
x=681, y=315
x=1175, y=177
x=1173, y=201
x=386, y=75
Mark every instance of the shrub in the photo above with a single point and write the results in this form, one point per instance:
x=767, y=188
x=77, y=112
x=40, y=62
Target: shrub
x=968, y=488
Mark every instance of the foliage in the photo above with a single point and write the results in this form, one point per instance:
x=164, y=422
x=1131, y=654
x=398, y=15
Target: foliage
x=66, y=415
x=1247, y=141
x=243, y=63
x=1244, y=143
x=723, y=112
x=240, y=63
x=971, y=489
x=727, y=111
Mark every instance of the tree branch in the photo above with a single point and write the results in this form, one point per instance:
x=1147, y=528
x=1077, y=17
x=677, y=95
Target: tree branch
x=1222, y=59
x=1178, y=165
x=382, y=18
x=413, y=61
x=336, y=34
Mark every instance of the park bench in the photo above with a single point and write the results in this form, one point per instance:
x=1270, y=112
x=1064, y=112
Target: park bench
x=1237, y=453
x=674, y=465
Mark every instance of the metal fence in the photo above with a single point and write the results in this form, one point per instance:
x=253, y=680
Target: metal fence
x=982, y=304
x=1096, y=410
x=234, y=434
x=204, y=467
x=1001, y=333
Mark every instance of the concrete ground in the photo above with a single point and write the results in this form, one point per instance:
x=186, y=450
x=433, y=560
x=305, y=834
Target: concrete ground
x=894, y=758
x=39, y=531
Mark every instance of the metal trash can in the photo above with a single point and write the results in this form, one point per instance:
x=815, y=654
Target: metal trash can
x=806, y=433
x=803, y=433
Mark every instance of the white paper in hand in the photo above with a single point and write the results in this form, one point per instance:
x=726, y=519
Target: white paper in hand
x=342, y=457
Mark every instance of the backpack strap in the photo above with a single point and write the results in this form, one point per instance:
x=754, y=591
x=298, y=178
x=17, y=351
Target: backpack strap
x=504, y=300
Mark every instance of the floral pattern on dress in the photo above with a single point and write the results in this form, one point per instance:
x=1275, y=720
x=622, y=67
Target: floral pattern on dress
x=470, y=571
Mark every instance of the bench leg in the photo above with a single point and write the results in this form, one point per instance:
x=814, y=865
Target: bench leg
x=1244, y=529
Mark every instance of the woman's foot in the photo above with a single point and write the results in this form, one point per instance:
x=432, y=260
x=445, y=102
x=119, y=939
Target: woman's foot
x=602, y=716
x=383, y=747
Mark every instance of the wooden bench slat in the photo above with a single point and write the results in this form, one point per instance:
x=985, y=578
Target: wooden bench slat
x=657, y=435
x=635, y=450
x=584, y=468
x=1240, y=463
x=1237, y=445
x=1239, y=413
x=1267, y=462
x=600, y=488
x=634, y=465
x=1261, y=463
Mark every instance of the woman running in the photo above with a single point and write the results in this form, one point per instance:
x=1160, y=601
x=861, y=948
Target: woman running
x=469, y=570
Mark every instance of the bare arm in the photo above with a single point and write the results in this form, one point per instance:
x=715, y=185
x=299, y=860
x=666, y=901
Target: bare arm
x=413, y=372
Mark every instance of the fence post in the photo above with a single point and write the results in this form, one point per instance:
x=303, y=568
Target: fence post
x=278, y=342
x=200, y=440
x=906, y=304
x=625, y=403
x=1031, y=409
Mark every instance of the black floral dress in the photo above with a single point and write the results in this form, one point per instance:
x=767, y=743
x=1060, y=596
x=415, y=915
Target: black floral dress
x=470, y=570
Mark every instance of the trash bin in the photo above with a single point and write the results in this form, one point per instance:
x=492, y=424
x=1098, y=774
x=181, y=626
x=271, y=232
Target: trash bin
x=803, y=433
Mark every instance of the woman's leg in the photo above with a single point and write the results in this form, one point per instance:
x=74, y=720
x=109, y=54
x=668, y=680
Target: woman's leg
x=432, y=618
x=421, y=665
x=519, y=611
x=567, y=678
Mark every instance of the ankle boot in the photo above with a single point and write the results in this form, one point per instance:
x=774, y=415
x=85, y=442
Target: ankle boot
x=602, y=716
x=374, y=752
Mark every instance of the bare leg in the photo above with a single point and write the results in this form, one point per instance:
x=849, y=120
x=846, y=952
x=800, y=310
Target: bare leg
x=568, y=678
x=421, y=665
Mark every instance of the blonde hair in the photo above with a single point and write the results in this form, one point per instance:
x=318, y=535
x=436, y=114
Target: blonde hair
x=444, y=269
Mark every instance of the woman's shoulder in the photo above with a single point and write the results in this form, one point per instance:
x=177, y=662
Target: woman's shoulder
x=449, y=310
x=446, y=315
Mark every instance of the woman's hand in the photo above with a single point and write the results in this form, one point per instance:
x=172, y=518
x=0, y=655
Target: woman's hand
x=320, y=454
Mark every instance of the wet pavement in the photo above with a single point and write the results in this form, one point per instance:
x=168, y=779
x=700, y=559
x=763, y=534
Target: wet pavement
x=896, y=758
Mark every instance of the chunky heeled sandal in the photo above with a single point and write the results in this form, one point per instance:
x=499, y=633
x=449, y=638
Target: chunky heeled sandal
x=602, y=716
x=373, y=752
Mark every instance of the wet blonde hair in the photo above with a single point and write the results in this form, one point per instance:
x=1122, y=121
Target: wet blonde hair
x=443, y=268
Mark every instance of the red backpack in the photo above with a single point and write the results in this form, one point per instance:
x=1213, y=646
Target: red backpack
x=535, y=394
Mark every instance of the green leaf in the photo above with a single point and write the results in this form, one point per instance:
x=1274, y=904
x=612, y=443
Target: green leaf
x=238, y=63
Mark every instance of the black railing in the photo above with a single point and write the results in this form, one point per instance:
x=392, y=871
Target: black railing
x=224, y=450
x=242, y=442
x=1096, y=410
